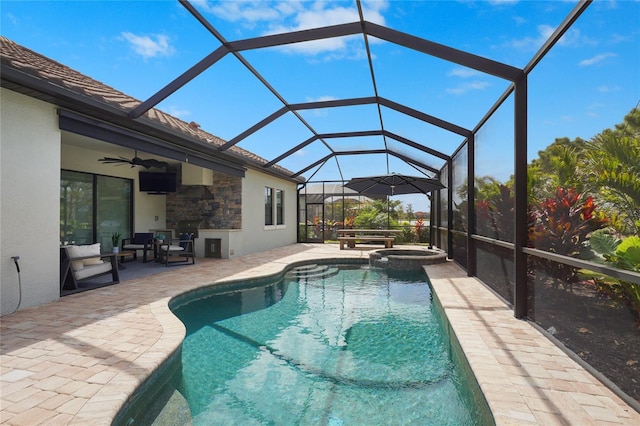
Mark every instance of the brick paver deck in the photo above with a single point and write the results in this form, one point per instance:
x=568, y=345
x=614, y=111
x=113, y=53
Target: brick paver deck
x=76, y=361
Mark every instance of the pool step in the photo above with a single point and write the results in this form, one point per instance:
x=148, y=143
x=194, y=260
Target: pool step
x=312, y=272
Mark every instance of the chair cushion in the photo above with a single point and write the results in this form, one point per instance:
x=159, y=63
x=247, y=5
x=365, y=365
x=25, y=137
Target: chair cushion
x=185, y=237
x=172, y=248
x=92, y=270
x=136, y=246
x=88, y=250
x=74, y=251
x=142, y=238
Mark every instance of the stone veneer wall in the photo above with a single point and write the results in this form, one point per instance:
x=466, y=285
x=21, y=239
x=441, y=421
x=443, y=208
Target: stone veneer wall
x=218, y=206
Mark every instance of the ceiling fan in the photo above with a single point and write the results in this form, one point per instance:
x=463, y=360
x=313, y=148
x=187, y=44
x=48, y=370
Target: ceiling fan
x=135, y=161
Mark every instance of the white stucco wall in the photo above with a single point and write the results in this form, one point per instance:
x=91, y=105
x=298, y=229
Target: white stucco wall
x=29, y=201
x=33, y=151
x=255, y=236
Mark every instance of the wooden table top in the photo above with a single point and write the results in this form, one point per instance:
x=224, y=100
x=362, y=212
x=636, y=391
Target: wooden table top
x=369, y=231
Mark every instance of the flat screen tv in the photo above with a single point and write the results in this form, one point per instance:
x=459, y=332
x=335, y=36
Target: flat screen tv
x=157, y=182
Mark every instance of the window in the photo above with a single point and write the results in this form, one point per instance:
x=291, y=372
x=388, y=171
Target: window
x=273, y=207
x=93, y=207
x=279, y=207
x=268, y=206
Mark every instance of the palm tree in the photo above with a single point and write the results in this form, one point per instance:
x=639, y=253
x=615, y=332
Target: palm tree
x=612, y=171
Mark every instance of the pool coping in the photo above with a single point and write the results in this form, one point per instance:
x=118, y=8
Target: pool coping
x=78, y=360
x=525, y=377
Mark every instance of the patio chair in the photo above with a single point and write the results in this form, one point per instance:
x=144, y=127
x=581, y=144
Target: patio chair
x=182, y=247
x=140, y=241
x=79, y=263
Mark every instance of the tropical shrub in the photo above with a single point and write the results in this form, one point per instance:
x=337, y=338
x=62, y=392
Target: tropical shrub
x=418, y=228
x=562, y=225
x=622, y=254
x=495, y=213
x=612, y=170
x=377, y=215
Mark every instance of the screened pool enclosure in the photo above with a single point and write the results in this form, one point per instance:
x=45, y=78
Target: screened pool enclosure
x=550, y=223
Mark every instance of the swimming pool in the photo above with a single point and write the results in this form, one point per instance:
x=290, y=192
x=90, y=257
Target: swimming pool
x=324, y=345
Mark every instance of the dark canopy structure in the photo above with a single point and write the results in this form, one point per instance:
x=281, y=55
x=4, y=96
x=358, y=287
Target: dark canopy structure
x=429, y=162
x=394, y=184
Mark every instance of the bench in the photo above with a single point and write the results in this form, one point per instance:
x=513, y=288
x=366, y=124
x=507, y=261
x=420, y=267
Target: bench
x=388, y=241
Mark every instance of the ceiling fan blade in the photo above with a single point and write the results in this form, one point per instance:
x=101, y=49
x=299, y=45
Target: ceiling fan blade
x=135, y=161
x=111, y=160
x=154, y=163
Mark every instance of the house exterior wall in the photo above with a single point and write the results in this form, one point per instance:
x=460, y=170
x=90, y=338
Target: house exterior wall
x=256, y=236
x=33, y=151
x=29, y=201
x=216, y=206
x=146, y=207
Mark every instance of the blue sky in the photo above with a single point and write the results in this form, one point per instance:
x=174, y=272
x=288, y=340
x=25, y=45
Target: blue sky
x=587, y=83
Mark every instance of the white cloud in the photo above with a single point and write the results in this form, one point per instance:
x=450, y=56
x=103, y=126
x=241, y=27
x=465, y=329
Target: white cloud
x=149, y=46
x=519, y=20
x=321, y=99
x=276, y=17
x=608, y=89
x=241, y=11
x=596, y=59
x=464, y=72
x=571, y=38
x=466, y=87
x=502, y=2
x=177, y=112
x=11, y=17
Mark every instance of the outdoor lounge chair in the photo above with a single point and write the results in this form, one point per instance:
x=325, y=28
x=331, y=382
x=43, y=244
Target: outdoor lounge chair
x=183, y=247
x=140, y=241
x=79, y=263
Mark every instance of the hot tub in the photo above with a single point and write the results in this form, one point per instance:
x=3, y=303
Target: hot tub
x=406, y=259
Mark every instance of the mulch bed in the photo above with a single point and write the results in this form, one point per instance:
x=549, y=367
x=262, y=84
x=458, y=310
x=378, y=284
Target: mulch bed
x=604, y=334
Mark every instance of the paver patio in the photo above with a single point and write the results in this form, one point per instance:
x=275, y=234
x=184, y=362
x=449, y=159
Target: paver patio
x=76, y=361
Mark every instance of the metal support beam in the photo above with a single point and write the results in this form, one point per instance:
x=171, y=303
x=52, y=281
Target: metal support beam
x=87, y=126
x=441, y=51
x=450, y=209
x=176, y=84
x=471, y=206
x=521, y=226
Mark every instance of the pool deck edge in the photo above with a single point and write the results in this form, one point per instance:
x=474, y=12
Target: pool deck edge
x=525, y=378
x=77, y=360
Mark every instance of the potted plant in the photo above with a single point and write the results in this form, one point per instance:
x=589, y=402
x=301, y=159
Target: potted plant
x=115, y=241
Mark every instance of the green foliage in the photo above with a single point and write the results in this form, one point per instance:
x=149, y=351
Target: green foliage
x=495, y=212
x=556, y=166
x=627, y=255
x=603, y=242
x=374, y=215
x=612, y=171
x=606, y=167
x=624, y=255
x=562, y=225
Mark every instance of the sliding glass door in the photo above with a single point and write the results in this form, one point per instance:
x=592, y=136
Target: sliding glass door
x=94, y=207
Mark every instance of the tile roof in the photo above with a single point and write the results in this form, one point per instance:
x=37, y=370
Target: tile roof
x=61, y=78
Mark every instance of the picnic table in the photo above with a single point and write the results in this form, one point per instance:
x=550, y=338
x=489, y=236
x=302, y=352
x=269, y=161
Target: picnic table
x=350, y=236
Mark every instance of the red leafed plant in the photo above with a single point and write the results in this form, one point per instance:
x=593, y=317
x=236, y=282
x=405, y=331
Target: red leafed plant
x=417, y=228
x=494, y=216
x=562, y=225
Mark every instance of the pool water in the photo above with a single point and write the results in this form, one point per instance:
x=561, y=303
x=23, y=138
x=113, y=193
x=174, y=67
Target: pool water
x=355, y=347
